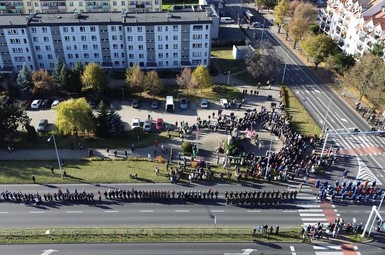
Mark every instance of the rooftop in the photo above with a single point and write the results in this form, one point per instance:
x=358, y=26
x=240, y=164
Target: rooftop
x=103, y=17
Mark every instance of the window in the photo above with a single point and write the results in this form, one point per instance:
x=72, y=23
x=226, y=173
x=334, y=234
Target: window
x=92, y=29
x=46, y=39
x=96, y=55
x=19, y=59
x=95, y=46
x=17, y=50
x=44, y=29
x=197, y=27
x=82, y=29
x=115, y=46
x=175, y=63
x=175, y=37
x=130, y=55
x=141, y=55
x=37, y=48
x=80, y=4
x=93, y=37
x=35, y=39
x=139, y=29
x=41, y=65
x=48, y=48
x=65, y=29
x=122, y=3
x=33, y=30
x=49, y=56
x=175, y=54
x=114, y=3
x=15, y=41
x=71, y=4
x=160, y=55
x=66, y=38
x=140, y=47
x=130, y=47
x=86, y=55
x=83, y=38
x=39, y=56
x=159, y=29
x=197, y=62
x=113, y=28
x=197, y=45
x=129, y=38
x=160, y=47
x=129, y=29
x=175, y=28
x=68, y=47
x=197, y=54
x=114, y=38
x=175, y=46
x=85, y=47
x=160, y=38
x=116, y=55
x=197, y=36
x=140, y=38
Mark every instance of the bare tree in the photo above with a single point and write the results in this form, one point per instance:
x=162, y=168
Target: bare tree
x=184, y=79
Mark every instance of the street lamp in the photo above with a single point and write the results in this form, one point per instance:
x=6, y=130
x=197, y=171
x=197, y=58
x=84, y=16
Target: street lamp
x=284, y=72
x=326, y=116
x=57, y=153
x=268, y=158
x=228, y=78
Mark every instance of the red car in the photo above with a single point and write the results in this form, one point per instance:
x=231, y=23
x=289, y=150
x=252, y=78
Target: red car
x=159, y=124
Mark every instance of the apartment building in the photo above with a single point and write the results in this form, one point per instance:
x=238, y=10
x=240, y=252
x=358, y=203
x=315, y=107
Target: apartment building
x=114, y=40
x=355, y=25
x=55, y=6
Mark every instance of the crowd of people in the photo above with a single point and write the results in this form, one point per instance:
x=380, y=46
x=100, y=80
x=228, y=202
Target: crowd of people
x=260, y=197
x=36, y=198
x=354, y=191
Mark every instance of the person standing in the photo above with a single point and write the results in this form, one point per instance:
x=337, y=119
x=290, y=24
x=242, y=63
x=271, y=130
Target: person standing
x=51, y=168
x=33, y=179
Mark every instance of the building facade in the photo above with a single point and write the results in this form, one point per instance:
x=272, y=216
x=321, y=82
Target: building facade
x=355, y=25
x=113, y=40
x=55, y=6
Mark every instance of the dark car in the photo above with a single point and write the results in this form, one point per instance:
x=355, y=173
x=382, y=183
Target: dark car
x=47, y=103
x=135, y=103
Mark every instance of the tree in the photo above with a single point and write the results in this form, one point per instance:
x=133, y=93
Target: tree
x=57, y=68
x=367, y=74
x=314, y=29
x=341, y=62
x=201, y=77
x=263, y=62
x=43, y=83
x=24, y=79
x=280, y=13
x=74, y=115
x=64, y=77
x=319, y=47
x=259, y=4
x=378, y=49
x=269, y=4
x=304, y=15
x=135, y=79
x=12, y=115
x=153, y=83
x=184, y=79
x=94, y=78
x=108, y=122
x=75, y=77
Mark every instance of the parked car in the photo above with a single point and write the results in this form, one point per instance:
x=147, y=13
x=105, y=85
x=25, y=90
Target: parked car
x=135, y=123
x=183, y=103
x=204, y=104
x=154, y=104
x=56, y=102
x=159, y=124
x=46, y=103
x=135, y=103
x=147, y=126
x=256, y=24
x=224, y=103
x=36, y=104
x=42, y=125
x=227, y=20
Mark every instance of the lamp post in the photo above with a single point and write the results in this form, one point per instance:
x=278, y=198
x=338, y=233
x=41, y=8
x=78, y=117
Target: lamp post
x=228, y=78
x=284, y=72
x=268, y=159
x=57, y=153
x=326, y=116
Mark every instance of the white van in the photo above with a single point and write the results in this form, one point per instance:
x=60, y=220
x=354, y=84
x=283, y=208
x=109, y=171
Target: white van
x=227, y=20
x=170, y=107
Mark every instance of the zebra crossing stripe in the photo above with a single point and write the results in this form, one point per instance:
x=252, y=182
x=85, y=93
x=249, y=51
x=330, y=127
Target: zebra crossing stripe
x=364, y=173
x=329, y=253
x=325, y=247
x=309, y=210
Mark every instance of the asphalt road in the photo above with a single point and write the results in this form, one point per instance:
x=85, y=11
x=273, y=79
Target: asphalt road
x=257, y=248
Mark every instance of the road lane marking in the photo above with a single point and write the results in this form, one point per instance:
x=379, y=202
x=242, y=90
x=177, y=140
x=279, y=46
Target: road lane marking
x=74, y=212
x=332, y=247
x=310, y=210
x=110, y=211
x=217, y=211
x=36, y=212
x=146, y=211
x=311, y=214
x=182, y=211
x=289, y=211
x=3, y=212
x=310, y=206
x=253, y=211
x=314, y=219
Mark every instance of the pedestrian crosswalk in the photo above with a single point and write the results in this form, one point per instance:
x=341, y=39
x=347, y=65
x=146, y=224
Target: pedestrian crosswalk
x=312, y=214
x=364, y=173
x=336, y=249
x=357, y=141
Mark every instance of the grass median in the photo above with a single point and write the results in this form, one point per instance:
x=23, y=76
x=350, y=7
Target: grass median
x=150, y=234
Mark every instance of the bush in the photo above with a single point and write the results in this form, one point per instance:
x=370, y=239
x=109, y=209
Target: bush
x=31, y=133
x=236, y=148
x=218, y=89
x=186, y=147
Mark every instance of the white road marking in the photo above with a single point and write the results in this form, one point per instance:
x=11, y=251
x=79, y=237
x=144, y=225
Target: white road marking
x=313, y=219
x=311, y=214
x=253, y=211
x=217, y=211
x=309, y=210
x=325, y=247
x=3, y=212
x=311, y=206
x=306, y=197
x=289, y=211
x=37, y=212
x=145, y=211
x=74, y=212
x=110, y=211
x=292, y=248
x=182, y=211
x=329, y=253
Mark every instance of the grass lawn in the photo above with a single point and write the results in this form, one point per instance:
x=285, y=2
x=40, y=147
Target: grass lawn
x=153, y=234
x=225, y=60
x=98, y=171
x=301, y=121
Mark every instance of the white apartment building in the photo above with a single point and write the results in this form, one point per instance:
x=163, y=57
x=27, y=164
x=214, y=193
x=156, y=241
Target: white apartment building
x=55, y=6
x=355, y=25
x=114, y=40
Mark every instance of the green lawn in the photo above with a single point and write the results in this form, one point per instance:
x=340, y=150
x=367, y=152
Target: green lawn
x=224, y=58
x=96, y=171
x=301, y=121
x=153, y=234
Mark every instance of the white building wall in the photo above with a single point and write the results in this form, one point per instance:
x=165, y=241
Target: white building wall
x=19, y=47
x=42, y=43
x=115, y=38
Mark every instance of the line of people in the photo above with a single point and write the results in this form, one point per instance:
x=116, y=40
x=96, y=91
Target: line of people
x=260, y=197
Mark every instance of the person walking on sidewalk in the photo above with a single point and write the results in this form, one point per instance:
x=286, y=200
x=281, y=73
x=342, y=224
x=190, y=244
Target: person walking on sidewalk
x=33, y=179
